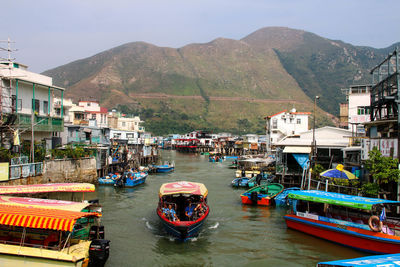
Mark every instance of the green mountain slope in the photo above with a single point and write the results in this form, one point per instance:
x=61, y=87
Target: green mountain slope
x=224, y=85
x=319, y=65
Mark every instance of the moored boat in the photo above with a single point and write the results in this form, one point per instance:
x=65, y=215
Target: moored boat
x=240, y=182
x=261, y=195
x=131, y=179
x=38, y=232
x=370, y=261
x=183, y=208
x=353, y=221
x=167, y=167
x=109, y=179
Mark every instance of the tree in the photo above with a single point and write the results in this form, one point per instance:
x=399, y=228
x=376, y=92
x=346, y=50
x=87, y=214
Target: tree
x=382, y=169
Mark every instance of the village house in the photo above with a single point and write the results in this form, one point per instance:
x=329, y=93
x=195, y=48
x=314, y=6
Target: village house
x=283, y=124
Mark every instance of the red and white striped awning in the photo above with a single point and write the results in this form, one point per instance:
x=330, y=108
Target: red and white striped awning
x=30, y=217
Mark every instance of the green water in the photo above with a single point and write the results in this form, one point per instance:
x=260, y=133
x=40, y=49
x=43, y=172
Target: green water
x=233, y=235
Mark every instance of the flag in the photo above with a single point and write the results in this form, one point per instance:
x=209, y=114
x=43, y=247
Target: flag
x=382, y=217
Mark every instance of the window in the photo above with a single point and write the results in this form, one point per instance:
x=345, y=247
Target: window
x=45, y=107
x=36, y=104
x=274, y=123
x=366, y=110
x=298, y=121
x=123, y=124
x=93, y=116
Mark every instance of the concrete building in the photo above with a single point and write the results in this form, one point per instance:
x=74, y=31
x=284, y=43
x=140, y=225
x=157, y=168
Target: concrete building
x=356, y=109
x=27, y=101
x=283, y=124
x=95, y=112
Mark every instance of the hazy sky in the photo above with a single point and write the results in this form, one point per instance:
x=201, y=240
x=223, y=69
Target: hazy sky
x=50, y=33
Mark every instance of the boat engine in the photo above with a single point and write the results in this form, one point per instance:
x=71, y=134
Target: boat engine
x=96, y=232
x=99, y=251
x=254, y=197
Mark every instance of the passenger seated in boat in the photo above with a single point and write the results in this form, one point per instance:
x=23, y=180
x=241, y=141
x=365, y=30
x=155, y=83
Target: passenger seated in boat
x=172, y=214
x=199, y=210
x=189, y=211
x=165, y=210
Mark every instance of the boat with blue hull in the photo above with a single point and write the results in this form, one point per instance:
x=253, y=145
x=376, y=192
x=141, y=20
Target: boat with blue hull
x=129, y=179
x=183, y=208
x=240, y=182
x=166, y=167
x=370, y=261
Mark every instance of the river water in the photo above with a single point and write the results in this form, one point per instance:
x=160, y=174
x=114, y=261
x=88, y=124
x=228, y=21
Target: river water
x=233, y=235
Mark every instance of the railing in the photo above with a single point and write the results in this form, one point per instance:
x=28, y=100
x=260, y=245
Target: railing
x=20, y=168
x=41, y=123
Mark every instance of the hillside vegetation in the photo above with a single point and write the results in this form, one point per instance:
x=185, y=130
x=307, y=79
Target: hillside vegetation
x=224, y=85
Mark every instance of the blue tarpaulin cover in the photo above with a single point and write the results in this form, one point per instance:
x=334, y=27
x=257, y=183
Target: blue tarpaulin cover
x=302, y=159
x=385, y=260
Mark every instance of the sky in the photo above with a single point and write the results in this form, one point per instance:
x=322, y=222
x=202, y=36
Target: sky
x=50, y=33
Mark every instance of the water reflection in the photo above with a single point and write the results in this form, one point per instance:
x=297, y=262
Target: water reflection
x=255, y=213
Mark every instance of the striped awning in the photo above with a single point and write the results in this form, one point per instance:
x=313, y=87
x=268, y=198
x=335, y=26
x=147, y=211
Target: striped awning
x=30, y=217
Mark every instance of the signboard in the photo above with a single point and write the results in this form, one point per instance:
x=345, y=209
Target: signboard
x=4, y=168
x=388, y=147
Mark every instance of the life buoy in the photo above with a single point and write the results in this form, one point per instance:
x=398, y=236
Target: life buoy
x=375, y=224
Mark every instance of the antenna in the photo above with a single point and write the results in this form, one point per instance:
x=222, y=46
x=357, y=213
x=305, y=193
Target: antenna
x=8, y=49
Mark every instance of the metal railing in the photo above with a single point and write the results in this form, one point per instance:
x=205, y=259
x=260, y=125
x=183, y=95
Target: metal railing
x=20, y=168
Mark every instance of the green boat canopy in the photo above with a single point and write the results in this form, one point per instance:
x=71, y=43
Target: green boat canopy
x=355, y=202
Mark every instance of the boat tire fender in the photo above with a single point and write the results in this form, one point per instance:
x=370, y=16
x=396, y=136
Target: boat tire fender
x=375, y=224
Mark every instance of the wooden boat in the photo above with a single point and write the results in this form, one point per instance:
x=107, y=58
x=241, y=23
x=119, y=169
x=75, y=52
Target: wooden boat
x=347, y=220
x=109, y=179
x=261, y=195
x=381, y=260
x=179, y=195
x=240, y=182
x=167, y=167
x=38, y=232
x=131, y=179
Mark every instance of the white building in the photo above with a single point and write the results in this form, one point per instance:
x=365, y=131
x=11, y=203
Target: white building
x=284, y=124
x=29, y=95
x=93, y=111
x=359, y=100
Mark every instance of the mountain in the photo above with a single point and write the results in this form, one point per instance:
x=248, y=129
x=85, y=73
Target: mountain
x=223, y=85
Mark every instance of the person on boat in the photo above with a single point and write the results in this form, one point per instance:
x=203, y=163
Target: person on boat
x=189, y=211
x=243, y=173
x=165, y=210
x=172, y=214
x=258, y=178
x=199, y=210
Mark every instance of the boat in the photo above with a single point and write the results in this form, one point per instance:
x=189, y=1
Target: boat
x=46, y=188
x=128, y=179
x=352, y=221
x=264, y=179
x=240, y=182
x=282, y=199
x=131, y=179
x=109, y=179
x=370, y=261
x=261, y=195
x=179, y=196
x=166, y=167
x=39, y=232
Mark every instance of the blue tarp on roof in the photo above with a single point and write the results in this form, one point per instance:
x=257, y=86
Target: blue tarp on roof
x=339, y=199
x=385, y=260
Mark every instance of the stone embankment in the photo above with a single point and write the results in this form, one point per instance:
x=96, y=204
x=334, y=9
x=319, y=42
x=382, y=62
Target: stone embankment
x=62, y=171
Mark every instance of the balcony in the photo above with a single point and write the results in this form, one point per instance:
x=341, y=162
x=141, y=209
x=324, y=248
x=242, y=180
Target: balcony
x=41, y=123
